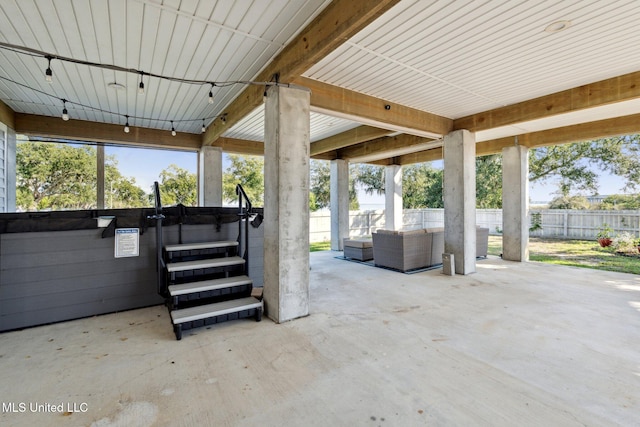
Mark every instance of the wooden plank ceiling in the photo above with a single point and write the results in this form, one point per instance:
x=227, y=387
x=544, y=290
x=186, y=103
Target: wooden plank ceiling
x=388, y=78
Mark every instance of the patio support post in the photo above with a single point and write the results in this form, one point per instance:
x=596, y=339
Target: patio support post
x=515, y=203
x=8, y=165
x=393, y=197
x=460, y=199
x=100, y=196
x=210, y=176
x=286, y=206
x=339, y=203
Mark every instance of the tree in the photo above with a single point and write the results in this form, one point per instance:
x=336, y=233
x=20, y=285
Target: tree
x=569, y=202
x=489, y=182
x=371, y=178
x=621, y=202
x=247, y=171
x=55, y=176
x=120, y=191
x=422, y=186
x=320, y=185
x=422, y=183
x=178, y=185
x=572, y=164
x=64, y=176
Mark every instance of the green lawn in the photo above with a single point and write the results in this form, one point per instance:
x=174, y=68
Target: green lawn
x=576, y=253
x=319, y=246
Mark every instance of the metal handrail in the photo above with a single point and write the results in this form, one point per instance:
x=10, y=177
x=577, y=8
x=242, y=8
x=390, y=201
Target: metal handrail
x=159, y=243
x=244, y=213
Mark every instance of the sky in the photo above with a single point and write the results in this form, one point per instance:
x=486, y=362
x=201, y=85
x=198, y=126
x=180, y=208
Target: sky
x=145, y=166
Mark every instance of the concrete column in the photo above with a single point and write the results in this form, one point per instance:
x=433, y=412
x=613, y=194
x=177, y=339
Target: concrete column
x=100, y=177
x=210, y=176
x=339, y=202
x=393, y=197
x=515, y=203
x=286, y=206
x=460, y=199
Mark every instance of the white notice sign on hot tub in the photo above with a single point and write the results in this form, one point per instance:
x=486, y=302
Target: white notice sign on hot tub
x=127, y=242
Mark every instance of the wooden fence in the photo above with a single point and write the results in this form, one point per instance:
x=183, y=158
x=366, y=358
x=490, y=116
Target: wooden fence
x=556, y=223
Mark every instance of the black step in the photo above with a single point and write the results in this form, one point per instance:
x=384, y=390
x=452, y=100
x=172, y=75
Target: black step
x=202, y=315
x=173, y=267
x=208, y=285
x=201, y=245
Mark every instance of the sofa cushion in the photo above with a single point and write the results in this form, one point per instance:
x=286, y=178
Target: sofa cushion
x=433, y=229
x=358, y=243
x=410, y=232
x=382, y=231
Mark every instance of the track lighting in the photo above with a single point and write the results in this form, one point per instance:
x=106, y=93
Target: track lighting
x=204, y=128
x=65, y=113
x=173, y=130
x=126, y=126
x=141, y=85
x=48, y=74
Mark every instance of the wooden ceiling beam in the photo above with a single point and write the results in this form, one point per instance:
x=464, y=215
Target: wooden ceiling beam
x=337, y=23
x=348, y=138
x=7, y=115
x=82, y=130
x=420, y=157
x=240, y=146
x=390, y=146
x=581, y=132
x=616, y=89
x=344, y=103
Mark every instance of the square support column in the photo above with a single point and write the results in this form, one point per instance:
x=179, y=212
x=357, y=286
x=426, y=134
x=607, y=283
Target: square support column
x=393, y=197
x=515, y=203
x=460, y=199
x=100, y=190
x=210, y=176
x=339, y=203
x=286, y=207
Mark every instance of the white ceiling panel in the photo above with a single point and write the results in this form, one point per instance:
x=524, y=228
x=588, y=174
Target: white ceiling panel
x=455, y=58
x=321, y=126
x=449, y=57
x=201, y=40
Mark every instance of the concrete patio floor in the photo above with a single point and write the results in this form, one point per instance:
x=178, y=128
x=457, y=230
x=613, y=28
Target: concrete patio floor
x=514, y=344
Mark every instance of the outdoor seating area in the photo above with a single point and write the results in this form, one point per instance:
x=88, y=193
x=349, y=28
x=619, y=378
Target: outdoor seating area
x=513, y=344
x=416, y=249
x=358, y=249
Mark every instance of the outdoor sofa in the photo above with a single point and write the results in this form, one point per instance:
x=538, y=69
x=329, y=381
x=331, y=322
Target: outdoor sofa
x=415, y=249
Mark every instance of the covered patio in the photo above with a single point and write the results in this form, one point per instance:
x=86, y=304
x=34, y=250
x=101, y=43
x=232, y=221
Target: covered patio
x=514, y=344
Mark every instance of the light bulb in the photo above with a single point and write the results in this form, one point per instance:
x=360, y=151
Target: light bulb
x=210, y=97
x=65, y=114
x=48, y=74
x=173, y=132
x=141, y=87
x=126, y=128
x=204, y=128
